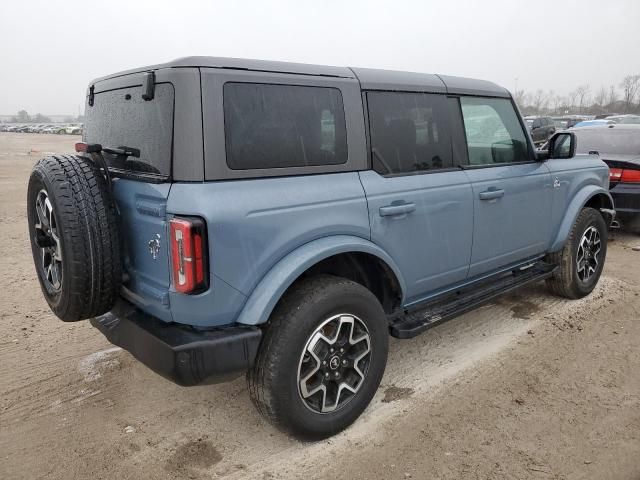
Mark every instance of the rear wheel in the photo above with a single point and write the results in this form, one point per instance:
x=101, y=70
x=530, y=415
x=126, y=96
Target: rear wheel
x=581, y=261
x=322, y=357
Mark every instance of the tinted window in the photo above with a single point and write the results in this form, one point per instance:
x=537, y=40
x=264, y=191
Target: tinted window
x=278, y=126
x=608, y=140
x=122, y=118
x=494, y=133
x=409, y=132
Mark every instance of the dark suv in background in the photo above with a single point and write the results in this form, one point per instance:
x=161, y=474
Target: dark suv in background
x=541, y=128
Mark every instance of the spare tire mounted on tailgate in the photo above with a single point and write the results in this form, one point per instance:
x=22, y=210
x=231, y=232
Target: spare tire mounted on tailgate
x=74, y=236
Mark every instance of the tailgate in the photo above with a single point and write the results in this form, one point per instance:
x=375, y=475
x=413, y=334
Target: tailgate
x=142, y=207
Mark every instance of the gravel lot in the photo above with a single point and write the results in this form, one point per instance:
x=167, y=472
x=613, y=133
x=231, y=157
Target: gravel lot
x=530, y=386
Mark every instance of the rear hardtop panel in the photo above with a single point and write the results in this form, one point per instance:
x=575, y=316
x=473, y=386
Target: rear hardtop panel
x=186, y=143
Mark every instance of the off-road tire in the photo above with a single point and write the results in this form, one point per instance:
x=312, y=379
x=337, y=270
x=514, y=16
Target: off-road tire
x=565, y=281
x=273, y=382
x=88, y=233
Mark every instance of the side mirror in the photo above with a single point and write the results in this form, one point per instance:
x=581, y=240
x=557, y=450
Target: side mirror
x=562, y=145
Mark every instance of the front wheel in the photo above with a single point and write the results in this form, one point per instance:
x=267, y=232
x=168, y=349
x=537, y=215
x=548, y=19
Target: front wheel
x=322, y=357
x=581, y=261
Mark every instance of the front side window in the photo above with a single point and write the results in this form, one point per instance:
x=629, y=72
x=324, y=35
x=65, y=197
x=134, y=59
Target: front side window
x=409, y=132
x=279, y=126
x=494, y=133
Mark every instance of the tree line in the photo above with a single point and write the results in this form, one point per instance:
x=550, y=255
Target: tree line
x=623, y=98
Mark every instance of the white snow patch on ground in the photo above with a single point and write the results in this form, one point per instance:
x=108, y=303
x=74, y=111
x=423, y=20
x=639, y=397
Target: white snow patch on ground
x=90, y=365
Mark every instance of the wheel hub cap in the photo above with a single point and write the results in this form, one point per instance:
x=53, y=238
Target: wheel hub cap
x=334, y=363
x=48, y=241
x=587, y=259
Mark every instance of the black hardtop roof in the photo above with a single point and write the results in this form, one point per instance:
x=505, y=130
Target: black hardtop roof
x=370, y=79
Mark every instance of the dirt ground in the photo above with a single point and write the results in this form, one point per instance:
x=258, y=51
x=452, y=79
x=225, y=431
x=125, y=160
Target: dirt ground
x=530, y=386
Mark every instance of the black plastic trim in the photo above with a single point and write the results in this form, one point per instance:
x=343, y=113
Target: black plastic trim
x=446, y=307
x=180, y=353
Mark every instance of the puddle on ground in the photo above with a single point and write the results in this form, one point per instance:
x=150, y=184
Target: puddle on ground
x=199, y=454
x=524, y=309
x=393, y=393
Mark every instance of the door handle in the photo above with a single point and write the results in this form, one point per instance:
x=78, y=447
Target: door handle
x=491, y=194
x=393, y=210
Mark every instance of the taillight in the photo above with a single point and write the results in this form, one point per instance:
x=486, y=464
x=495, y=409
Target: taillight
x=619, y=175
x=630, y=176
x=188, y=254
x=615, y=174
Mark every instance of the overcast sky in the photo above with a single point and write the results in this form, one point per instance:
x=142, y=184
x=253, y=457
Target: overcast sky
x=50, y=50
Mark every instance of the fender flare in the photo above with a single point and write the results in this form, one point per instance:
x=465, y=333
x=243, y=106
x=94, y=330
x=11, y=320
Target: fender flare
x=270, y=289
x=577, y=203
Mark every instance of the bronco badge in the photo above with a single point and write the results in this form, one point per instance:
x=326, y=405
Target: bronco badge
x=154, y=246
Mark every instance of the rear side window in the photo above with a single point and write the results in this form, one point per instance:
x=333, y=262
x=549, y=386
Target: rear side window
x=279, y=126
x=121, y=118
x=494, y=133
x=409, y=132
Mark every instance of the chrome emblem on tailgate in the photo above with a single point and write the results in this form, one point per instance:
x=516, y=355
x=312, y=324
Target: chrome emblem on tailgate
x=154, y=246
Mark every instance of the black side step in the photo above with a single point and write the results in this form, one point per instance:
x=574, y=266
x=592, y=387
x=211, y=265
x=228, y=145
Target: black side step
x=454, y=304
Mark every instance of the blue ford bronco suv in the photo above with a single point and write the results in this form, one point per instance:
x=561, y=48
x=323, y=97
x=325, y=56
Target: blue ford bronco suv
x=227, y=216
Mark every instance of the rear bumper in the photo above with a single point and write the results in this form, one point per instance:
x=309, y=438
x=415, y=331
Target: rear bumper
x=181, y=354
x=626, y=198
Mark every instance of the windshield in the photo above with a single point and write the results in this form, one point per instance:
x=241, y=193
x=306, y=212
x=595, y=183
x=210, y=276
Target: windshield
x=609, y=140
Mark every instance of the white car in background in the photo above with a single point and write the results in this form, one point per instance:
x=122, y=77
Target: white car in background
x=73, y=129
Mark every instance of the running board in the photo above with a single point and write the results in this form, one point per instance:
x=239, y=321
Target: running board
x=414, y=322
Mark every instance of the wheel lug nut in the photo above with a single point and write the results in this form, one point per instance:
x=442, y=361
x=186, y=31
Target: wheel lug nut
x=344, y=362
x=324, y=362
x=326, y=375
x=337, y=375
x=342, y=350
x=331, y=350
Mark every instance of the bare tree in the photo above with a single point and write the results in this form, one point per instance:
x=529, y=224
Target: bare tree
x=558, y=101
x=582, y=92
x=520, y=97
x=572, y=99
x=601, y=97
x=630, y=86
x=612, y=96
x=540, y=100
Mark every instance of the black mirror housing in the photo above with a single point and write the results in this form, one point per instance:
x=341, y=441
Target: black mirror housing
x=562, y=145
x=542, y=155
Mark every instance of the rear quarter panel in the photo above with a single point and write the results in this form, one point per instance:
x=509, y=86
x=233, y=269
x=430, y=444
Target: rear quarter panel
x=252, y=224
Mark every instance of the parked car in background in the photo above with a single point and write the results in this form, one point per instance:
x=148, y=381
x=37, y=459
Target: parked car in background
x=560, y=123
x=73, y=129
x=58, y=129
x=619, y=147
x=625, y=119
x=541, y=128
x=592, y=123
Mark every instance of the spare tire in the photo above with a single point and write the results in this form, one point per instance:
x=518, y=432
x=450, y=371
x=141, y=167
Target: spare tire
x=74, y=237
